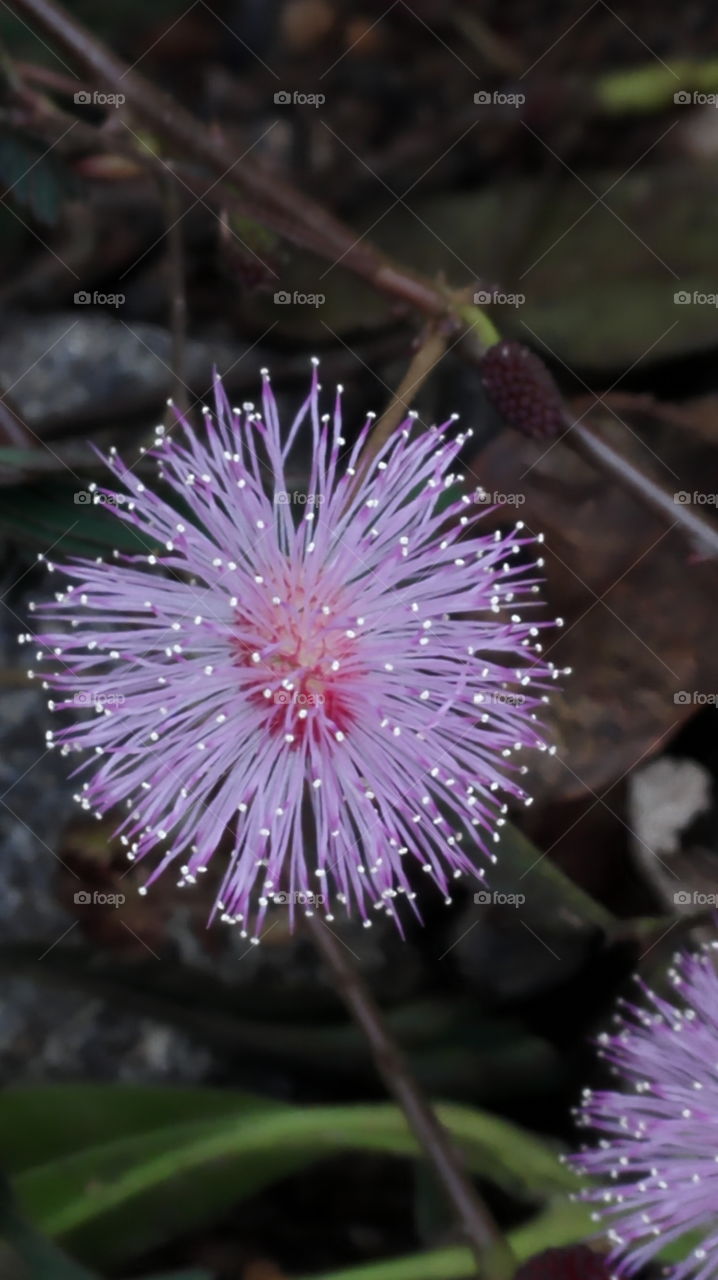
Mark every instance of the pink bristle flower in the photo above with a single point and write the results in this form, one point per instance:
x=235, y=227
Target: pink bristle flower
x=337, y=685
x=654, y=1171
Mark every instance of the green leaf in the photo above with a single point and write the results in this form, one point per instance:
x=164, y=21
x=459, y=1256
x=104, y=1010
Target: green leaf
x=453, y=1051
x=34, y=176
x=10, y=456
x=181, y=1275
x=254, y=236
x=199, y=1152
x=44, y=1123
x=125, y=1168
x=521, y=867
x=48, y=514
x=38, y=1258
x=652, y=86
x=682, y=1248
x=561, y=1223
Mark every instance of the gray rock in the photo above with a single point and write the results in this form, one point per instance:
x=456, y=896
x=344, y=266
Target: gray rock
x=52, y=1032
x=79, y=362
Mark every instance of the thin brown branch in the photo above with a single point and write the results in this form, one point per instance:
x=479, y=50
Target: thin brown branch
x=177, y=291
x=306, y=223
x=303, y=220
x=428, y=355
x=496, y=52
x=700, y=531
x=494, y=1258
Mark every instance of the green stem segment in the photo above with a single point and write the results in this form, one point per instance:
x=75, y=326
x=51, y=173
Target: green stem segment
x=654, y=86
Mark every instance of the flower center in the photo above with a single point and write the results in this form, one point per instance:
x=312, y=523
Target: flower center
x=294, y=659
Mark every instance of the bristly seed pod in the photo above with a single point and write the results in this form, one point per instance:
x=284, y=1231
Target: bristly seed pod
x=518, y=383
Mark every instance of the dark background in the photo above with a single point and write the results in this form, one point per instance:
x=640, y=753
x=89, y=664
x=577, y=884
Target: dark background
x=580, y=197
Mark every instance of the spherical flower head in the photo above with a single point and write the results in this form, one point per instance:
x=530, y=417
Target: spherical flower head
x=575, y=1262
x=330, y=684
x=655, y=1168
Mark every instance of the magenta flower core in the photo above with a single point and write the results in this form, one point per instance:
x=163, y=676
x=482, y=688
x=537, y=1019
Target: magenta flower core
x=331, y=684
x=655, y=1169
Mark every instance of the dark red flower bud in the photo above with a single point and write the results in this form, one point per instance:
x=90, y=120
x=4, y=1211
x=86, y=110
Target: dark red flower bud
x=520, y=386
x=576, y=1262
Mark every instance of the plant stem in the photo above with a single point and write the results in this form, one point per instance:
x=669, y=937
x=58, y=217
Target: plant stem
x=177, y=290
x=306, y=223
x=494, y=1258
x=281, y=206
x=701, y=532
x=652, y=86
x=425, y=360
